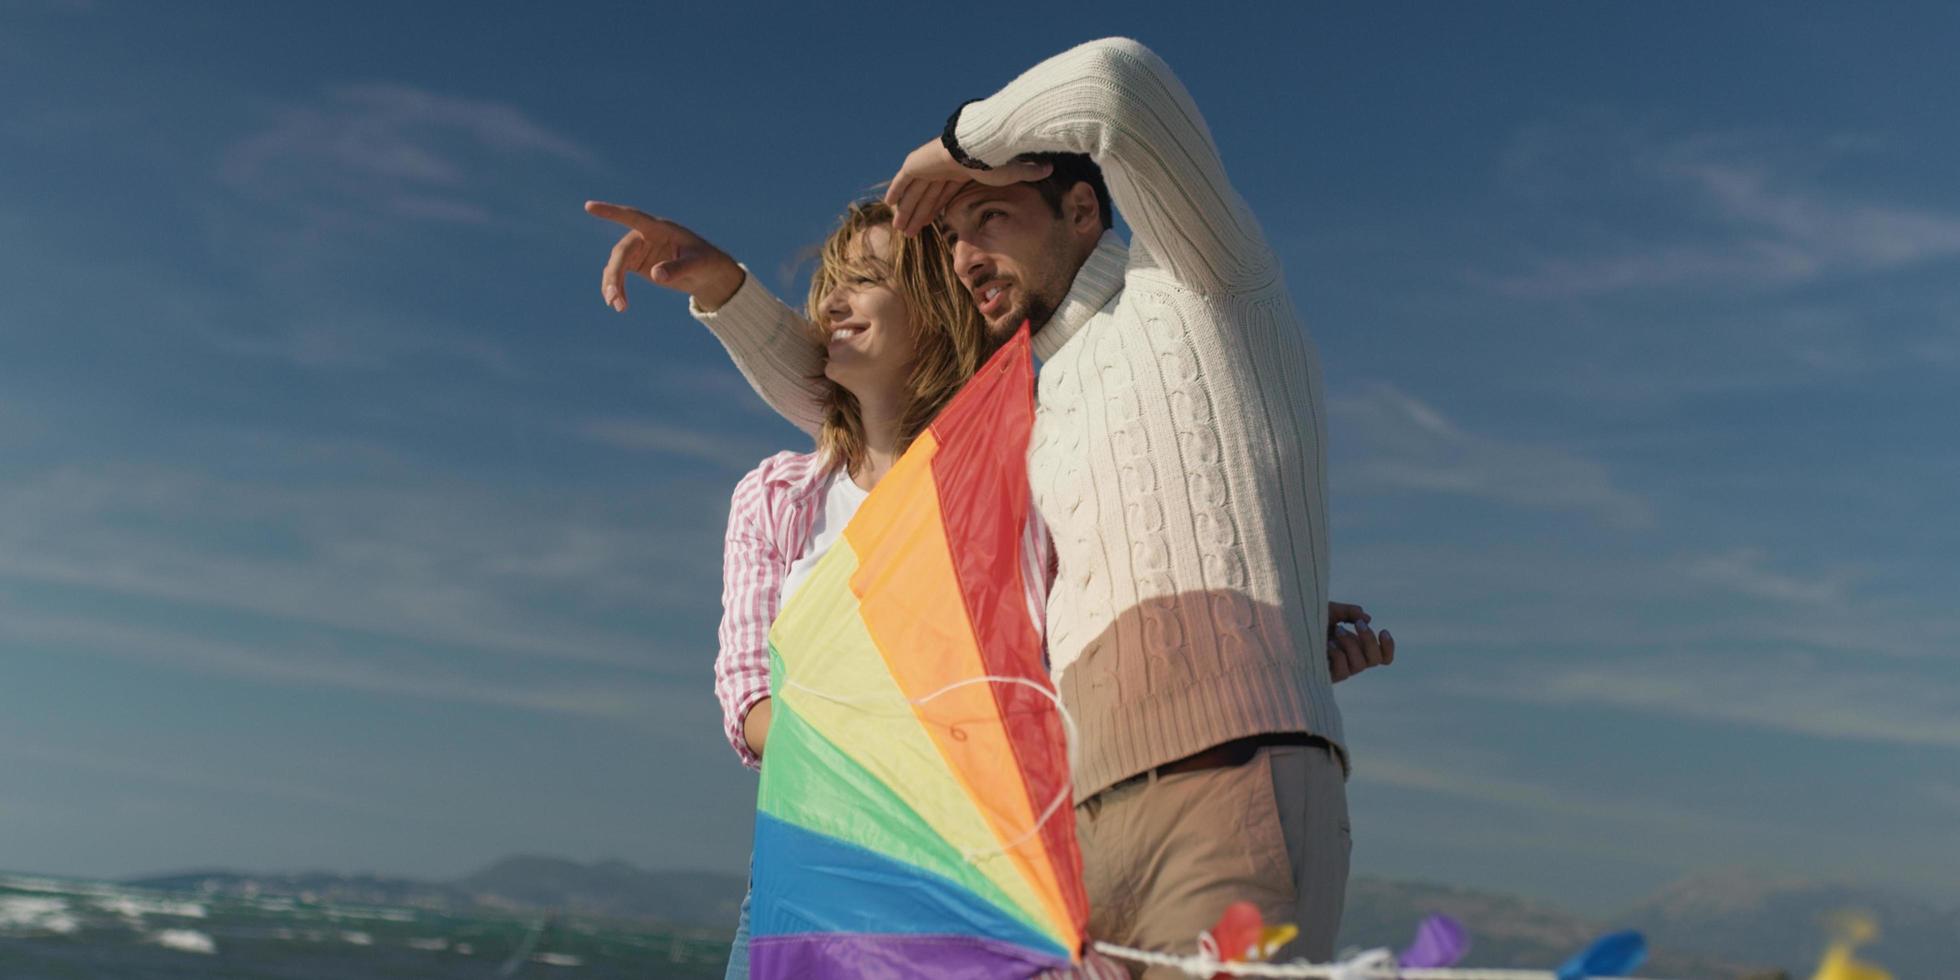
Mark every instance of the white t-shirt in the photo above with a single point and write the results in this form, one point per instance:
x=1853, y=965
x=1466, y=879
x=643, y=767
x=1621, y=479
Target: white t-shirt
x=841, y=497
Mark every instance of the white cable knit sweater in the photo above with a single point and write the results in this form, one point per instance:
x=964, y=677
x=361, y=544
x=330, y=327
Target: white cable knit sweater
x=1178, y=452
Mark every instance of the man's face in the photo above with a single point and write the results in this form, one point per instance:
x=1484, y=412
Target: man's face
x=1013, y=253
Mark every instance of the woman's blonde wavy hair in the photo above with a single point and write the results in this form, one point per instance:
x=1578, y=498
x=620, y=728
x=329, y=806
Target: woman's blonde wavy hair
x=951, y=336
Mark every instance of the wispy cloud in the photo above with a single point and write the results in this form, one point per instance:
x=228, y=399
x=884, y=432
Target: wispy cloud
x=364, y=343
x=1802, y=694
x=649, y=436
x=1832, y=609
x=1475, y=804
x=1744, y=571
x=145, y=763
x=1482, y=783
x=1744, y=209
x=390, y=150
x=1389, y=439
x=1818, y=230
x=574, y=579
x=303, y=662
x=1531, y=598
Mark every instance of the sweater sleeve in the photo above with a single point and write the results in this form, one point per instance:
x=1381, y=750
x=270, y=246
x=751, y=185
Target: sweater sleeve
x=1116, y=101
x=775, y=350
x=752, y=570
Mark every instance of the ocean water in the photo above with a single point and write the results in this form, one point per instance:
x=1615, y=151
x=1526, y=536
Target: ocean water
x=68, y=930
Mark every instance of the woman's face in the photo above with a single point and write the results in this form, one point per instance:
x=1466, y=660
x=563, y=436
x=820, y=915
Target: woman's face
x=869, y=335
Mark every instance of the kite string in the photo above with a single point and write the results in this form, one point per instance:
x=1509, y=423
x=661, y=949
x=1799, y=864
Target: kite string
x=1068, y=726
x=1374, y=964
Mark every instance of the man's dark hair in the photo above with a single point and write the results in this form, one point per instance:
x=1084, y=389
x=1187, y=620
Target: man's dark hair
x=1072, y=169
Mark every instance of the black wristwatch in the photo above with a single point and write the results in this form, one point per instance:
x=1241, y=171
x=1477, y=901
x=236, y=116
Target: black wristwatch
x=951, y=141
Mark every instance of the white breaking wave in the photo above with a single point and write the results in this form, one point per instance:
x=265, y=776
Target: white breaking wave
x=557, y=959
x=138, y=906
x=24, y=913
x=184, y=940
x=358, y=938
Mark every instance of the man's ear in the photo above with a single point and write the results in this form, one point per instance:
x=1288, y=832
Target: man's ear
x=1083, y=210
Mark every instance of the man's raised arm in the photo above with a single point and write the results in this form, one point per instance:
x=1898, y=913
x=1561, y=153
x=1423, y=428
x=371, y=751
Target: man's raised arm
x=1116, y=101
x=771, y=345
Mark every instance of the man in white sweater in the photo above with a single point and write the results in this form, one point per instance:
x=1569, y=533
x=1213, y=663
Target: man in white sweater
x=1178, y=459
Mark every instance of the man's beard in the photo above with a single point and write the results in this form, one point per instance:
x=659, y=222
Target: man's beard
x=1039, y=312
x=997, y=336
x=1060, y=276
x=1038, y=306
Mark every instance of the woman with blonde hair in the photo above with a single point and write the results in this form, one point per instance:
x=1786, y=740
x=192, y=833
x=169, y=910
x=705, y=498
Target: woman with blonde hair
x=897, y=345
x=899, y=340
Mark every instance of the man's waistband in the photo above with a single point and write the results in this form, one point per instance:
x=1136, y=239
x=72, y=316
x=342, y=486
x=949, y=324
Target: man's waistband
x=1225, y=755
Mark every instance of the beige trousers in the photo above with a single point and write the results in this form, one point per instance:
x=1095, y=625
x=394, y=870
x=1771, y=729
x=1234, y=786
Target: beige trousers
x=1163, y=855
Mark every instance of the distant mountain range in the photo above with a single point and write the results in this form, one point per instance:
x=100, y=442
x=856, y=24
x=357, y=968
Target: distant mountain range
x=1727, y=925
x=1778, y=920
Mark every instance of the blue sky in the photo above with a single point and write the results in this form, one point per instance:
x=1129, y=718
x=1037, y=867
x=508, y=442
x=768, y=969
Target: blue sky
x=341, y=525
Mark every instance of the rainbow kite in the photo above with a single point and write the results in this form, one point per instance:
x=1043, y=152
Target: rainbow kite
x=914, y=817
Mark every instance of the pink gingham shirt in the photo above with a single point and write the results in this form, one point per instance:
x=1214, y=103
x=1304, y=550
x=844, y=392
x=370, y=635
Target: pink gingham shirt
x=769, y=521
